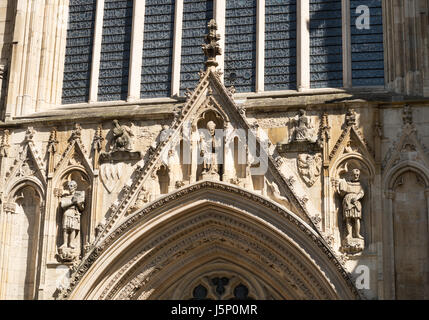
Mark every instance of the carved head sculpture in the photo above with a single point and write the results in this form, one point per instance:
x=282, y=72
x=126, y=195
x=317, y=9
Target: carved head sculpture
x=211, y=126
x=71, y=186
x=301, y=112
x=356, y=175
x=116, y=123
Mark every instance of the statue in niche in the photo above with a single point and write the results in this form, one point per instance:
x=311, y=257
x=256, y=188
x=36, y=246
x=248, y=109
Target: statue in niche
x=72, y=204
x=352, y=192
x=121, y=145
x=208, y=146
x=303, y=129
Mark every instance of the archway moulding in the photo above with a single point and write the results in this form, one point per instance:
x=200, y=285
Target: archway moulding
x=279, y=233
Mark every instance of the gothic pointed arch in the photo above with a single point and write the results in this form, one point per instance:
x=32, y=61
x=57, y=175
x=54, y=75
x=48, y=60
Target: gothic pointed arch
x=27, y=166
x=210, y=99
x=210, y=226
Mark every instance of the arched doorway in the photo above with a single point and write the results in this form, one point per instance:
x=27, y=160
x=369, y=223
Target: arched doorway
x=211, y=240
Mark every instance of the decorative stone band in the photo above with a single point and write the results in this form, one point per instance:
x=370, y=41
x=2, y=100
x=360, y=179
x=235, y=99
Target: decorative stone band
x=102, y=244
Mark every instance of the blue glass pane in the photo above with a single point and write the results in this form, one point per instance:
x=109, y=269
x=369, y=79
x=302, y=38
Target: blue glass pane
x=280, y=45
x=157, y=48
x=78, y=57
x=240, y=44
x=367, y=45
x=115, y=50
x=196, y=16
x=326, y=68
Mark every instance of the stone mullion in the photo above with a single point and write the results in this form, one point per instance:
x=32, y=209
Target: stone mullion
x=347, y=54
x=219, y=16
x=33, y=58
x=389, y=254
x=17, y=57
x=45, y=58
x=303, y=45
x=49, y=219
x=260, y=45
x=96, y=51
x=427, y=205
x=3, y=267
x=177, y=48
x=136, y=56
x=56, y=71
x=6, y=247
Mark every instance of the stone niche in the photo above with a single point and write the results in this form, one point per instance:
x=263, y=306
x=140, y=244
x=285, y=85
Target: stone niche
x=65, y=252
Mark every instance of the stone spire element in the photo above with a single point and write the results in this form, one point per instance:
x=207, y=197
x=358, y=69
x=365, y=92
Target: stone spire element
x=212, y=48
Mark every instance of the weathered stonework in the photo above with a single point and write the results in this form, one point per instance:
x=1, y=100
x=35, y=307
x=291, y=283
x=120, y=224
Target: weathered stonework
x=345, y=171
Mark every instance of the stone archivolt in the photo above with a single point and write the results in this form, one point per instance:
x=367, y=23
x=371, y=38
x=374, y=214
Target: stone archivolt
x=223, y=221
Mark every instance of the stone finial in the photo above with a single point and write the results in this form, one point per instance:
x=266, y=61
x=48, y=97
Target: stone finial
x=351, y=118
x=407, y=115
x=212, y=48
x=29, y=134
x=4, y=143
x=52, y=143
x=77, y=132
x=98, y=139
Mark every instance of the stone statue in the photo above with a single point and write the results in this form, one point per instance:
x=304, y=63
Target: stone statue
x=352, y=192
x=121, y=145
x=208, y=147
x=72, y=204
x=121, y=137
x=303, y=130
x=276, y=195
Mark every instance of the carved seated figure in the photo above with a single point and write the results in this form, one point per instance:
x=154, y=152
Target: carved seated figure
x=121, y=145
x=303, y=130
x=121, y=137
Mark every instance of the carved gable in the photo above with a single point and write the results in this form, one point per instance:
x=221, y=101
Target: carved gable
x=351, y=141
x=183, y=155
x=28, y=164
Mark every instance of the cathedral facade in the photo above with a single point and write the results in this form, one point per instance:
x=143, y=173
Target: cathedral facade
x=214, y=149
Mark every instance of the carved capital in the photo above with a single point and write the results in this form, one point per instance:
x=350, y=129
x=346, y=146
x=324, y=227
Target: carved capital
x=9, y=207
x=390, y=194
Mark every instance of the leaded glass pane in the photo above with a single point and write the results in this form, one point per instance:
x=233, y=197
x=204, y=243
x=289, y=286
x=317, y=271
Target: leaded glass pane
x=115, y=50
x=240, y=44
x=78, y=57
x=326, y=57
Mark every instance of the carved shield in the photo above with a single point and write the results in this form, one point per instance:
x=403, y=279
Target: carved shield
x=110, y=174
x=309, y=167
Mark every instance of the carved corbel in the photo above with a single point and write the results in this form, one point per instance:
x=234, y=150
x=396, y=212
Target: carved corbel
x=9, y=207
x=4, y=144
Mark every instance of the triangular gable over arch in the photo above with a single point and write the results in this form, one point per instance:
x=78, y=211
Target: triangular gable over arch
x=408, y=147
x=210, y=94
x=350, y=141
x=74, y=154
x=28, y=164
